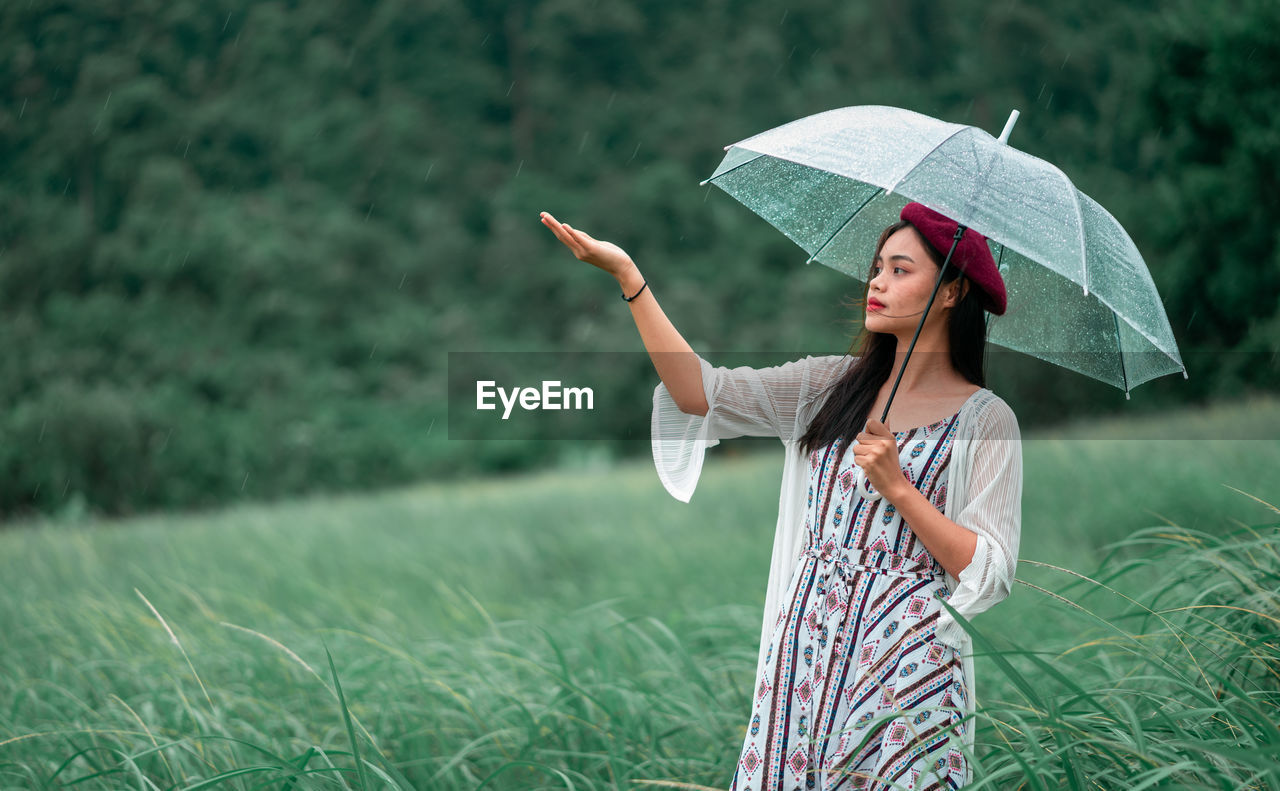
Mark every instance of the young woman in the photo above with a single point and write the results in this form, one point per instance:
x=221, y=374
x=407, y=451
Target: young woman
x=864, y=680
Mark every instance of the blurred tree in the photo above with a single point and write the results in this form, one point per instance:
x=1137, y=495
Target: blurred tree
x=238, y=240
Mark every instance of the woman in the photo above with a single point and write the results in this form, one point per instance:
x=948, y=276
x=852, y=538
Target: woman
x=863, y=679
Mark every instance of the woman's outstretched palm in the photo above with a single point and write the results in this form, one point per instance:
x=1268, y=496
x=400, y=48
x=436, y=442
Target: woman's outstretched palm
x=605, y=255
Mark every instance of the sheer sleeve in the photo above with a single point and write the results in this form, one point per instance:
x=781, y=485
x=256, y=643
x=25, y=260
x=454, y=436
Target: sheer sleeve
x=743, y=401
x=993, y=510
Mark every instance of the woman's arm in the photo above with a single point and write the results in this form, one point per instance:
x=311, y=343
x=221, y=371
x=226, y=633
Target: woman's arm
x=672, y=356
x=674, y=359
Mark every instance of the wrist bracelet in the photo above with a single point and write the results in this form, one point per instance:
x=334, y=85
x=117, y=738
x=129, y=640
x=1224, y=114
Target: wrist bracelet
x=627, y=298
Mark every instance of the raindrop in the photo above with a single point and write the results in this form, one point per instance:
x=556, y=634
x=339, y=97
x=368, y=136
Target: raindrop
x=433, y=422
x=371, y=351
x=1064, y=62
x=612, y=96
x=633, y=153
x=66, y=486
x=424, y=178
x=246, y=480
x=518, y=167
x=188, y=148
x=23, y=110
x=104, y=110
x=1043, y=85
x=42, y=425
x=584, y=140
x=67, y=187
x=406, y=274
x=1046, y=104
x=784, y=16
x=486, y=40
x=224, y=24
x=366, y=214
x=37, y=491
x=509, y=89
x=1193, y=318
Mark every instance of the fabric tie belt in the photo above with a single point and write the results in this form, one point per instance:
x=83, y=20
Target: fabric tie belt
x=847, y=561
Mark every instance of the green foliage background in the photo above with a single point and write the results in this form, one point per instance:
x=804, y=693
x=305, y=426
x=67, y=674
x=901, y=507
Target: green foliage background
x=238, y=240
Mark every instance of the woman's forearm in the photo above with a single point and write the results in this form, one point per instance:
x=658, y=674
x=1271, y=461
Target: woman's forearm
x=674, y=359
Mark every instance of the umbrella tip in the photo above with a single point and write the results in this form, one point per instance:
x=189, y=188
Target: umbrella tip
x=1184, y=373
x=1086, y=289
x=1008, y=127
x=703, y=183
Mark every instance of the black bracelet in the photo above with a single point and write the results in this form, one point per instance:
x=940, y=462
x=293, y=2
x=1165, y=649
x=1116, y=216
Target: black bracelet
x=627, y=298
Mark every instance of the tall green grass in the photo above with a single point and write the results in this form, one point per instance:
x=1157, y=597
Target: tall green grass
x=580, y=629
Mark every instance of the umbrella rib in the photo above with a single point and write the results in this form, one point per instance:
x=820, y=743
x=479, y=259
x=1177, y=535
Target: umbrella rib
x=921, y=160
x=822, y=246
x=735, y=167
x=1120, y=346
x=1084, y=253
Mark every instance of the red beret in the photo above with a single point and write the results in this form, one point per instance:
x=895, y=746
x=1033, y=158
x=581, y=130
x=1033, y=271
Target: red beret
x=972, y=255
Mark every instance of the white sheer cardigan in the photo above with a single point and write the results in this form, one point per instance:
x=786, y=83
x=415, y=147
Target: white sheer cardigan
x=984, y=487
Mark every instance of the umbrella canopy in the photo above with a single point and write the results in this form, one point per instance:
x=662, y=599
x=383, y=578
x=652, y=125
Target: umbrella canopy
x=1079, y=293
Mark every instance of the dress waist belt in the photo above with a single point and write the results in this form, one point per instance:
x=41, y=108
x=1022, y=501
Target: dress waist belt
x=877, y=561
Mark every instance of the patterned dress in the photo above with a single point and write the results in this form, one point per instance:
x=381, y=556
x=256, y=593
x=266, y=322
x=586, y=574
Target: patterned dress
x=854, y=649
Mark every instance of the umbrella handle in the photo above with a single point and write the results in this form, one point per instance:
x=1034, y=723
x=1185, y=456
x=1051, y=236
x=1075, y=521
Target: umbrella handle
x=864, y=487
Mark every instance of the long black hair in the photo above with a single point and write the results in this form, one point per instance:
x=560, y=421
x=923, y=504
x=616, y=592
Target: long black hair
x=851, y=397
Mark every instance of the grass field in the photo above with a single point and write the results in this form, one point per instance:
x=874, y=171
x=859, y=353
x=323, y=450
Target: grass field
x=582, y=629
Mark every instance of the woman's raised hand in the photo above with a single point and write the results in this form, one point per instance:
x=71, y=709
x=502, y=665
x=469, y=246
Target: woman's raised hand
x=605, y=255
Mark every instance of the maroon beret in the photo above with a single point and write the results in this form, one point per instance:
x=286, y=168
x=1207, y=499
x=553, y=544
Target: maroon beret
x=972, y=255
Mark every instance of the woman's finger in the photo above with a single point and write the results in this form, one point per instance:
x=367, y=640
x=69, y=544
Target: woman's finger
x=566, y=235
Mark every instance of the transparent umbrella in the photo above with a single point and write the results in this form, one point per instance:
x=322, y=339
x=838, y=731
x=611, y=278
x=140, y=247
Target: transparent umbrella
x=1079, y=293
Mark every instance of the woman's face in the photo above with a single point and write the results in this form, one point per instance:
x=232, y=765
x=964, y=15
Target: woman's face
x=902, y=278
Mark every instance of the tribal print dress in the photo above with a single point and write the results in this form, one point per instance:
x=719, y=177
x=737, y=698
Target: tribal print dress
x=855, y=690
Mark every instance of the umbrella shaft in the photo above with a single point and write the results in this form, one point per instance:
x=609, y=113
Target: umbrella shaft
x=936, y=285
